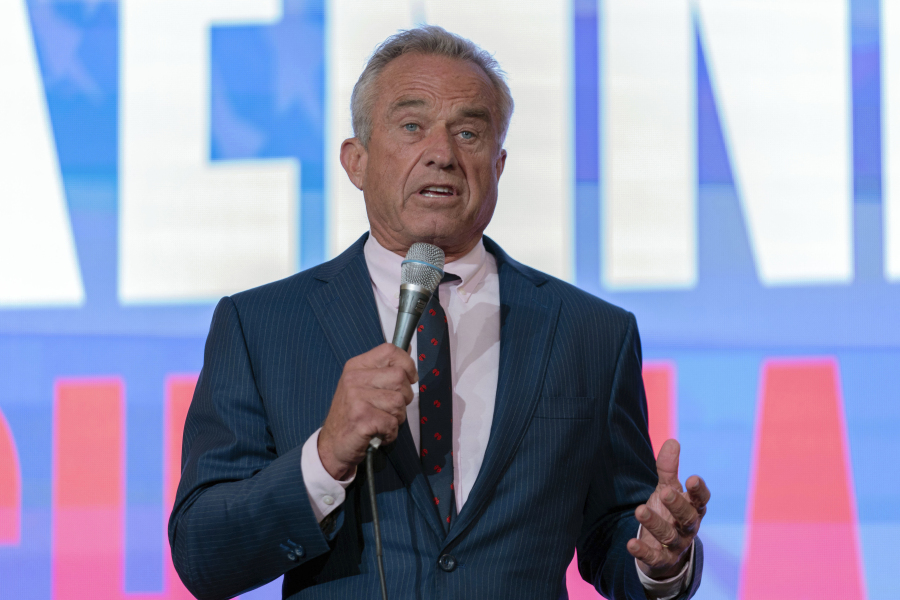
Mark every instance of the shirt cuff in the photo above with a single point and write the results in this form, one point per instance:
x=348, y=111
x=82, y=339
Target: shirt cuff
x=667, y=589
x=325, y=492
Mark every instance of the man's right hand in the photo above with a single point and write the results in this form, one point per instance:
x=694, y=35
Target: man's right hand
x=370, y=401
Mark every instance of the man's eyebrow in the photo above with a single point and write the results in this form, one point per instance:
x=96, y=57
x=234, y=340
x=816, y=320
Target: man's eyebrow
x=475, y=113
x=406, y=103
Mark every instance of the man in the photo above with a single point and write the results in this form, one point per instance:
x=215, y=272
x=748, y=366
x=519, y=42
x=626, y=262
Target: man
x=517, y=434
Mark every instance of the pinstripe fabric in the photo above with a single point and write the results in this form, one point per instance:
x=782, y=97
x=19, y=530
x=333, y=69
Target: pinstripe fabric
x=568, y=458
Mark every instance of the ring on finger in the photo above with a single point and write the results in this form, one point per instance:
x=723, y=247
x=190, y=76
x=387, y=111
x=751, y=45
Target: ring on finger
x=666, y=546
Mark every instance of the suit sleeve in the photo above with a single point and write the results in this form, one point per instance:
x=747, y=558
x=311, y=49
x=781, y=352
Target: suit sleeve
x=624, y=478
x=242, y=516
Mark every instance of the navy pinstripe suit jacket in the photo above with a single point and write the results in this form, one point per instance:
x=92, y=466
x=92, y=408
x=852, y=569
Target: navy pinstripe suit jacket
x=568, y=459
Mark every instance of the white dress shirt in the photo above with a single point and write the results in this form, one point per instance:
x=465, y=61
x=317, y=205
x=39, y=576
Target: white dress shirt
x=472, y=306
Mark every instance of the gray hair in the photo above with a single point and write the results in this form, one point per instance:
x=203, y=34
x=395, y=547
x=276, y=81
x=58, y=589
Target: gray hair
x=429, y=40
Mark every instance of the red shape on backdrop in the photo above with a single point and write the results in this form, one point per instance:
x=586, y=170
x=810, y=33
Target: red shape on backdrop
x=89, y=488
x=179, y=392
x=662, y=410
x=10, y=488
x=802, y=521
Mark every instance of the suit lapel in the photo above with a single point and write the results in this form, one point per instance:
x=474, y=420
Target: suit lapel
x=528, y=316
x=346, y=310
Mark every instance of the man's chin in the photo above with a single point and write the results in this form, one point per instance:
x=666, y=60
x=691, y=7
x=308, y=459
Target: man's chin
x=443, y=236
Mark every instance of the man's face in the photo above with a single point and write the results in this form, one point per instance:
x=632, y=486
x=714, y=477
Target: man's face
x=434, y=158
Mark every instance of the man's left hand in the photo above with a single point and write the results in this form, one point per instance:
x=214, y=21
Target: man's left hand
x=670, y=519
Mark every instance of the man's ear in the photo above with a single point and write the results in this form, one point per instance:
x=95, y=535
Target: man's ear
x=353, y=158
x=501, y=163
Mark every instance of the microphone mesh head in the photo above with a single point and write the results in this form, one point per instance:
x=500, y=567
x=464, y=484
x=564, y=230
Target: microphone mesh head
x=426, y=275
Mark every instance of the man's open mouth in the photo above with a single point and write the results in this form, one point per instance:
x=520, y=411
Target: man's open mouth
x=437, y=191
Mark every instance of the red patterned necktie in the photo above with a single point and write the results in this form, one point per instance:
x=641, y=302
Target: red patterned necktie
x=436, y=405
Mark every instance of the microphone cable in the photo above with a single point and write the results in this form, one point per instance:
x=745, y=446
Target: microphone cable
x=376, y=522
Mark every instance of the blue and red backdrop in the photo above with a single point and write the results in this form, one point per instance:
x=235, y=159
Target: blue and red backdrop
x=785, y=393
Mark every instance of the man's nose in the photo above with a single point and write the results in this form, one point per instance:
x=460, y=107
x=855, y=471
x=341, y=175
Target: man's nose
x=439, y=151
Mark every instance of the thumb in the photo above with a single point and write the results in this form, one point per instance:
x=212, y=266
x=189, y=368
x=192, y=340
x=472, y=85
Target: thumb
x=667, y=464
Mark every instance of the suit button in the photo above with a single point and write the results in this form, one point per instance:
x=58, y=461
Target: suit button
x=291, y=556
x=447, y=562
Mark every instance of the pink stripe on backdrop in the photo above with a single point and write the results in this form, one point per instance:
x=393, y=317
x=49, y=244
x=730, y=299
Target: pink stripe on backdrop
x=802, y=521
x=662, y=408
x=10, y=488
x=89, y=488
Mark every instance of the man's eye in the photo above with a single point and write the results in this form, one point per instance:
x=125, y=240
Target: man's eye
x=411, y=127
x=467, y=135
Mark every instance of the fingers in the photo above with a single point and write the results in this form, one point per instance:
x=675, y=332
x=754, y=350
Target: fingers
x=380, y=416
x=664, y=532
x=385, y=426
x=387, y=378
x=644, y=552
x=667, y=464
x=370, y=401
x=387, y=355
x=687, y=521
x=698, y=493
x=390, y=402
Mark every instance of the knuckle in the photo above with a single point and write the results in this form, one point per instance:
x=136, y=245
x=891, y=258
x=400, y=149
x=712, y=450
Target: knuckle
x=690, y=526
x=397, y=375
x=354, y=378
x=658, y=558
x=359, y=411
x=668, y=536
x=397, y=400
x=390, y=425
x=392, y=353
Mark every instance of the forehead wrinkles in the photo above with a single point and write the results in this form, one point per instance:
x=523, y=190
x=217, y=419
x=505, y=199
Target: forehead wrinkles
x=413, y=86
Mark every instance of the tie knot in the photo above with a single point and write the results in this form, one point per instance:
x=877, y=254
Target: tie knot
x=449, y=277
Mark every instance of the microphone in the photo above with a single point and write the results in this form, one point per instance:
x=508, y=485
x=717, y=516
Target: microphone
x=420, y=275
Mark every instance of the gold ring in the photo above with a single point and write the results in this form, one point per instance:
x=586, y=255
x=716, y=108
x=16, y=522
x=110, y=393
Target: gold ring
x=666, y=546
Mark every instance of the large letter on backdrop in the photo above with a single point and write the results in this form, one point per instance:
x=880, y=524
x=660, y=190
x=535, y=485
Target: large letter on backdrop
x=780, y=71
x=191, y=230
x=38, y=265
x=890, y=109
x=89, y=487
x=802, y=521
x=649, y=228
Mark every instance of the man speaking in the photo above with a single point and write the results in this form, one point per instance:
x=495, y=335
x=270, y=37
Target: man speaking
x=515, y=431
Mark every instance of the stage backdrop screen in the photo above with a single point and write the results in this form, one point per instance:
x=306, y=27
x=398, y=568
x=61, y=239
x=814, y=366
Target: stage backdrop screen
x=728, y=170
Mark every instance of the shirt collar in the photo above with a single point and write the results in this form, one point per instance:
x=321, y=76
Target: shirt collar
x=384, y=269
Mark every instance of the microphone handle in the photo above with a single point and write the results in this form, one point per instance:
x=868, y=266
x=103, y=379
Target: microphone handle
x=413, y=300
